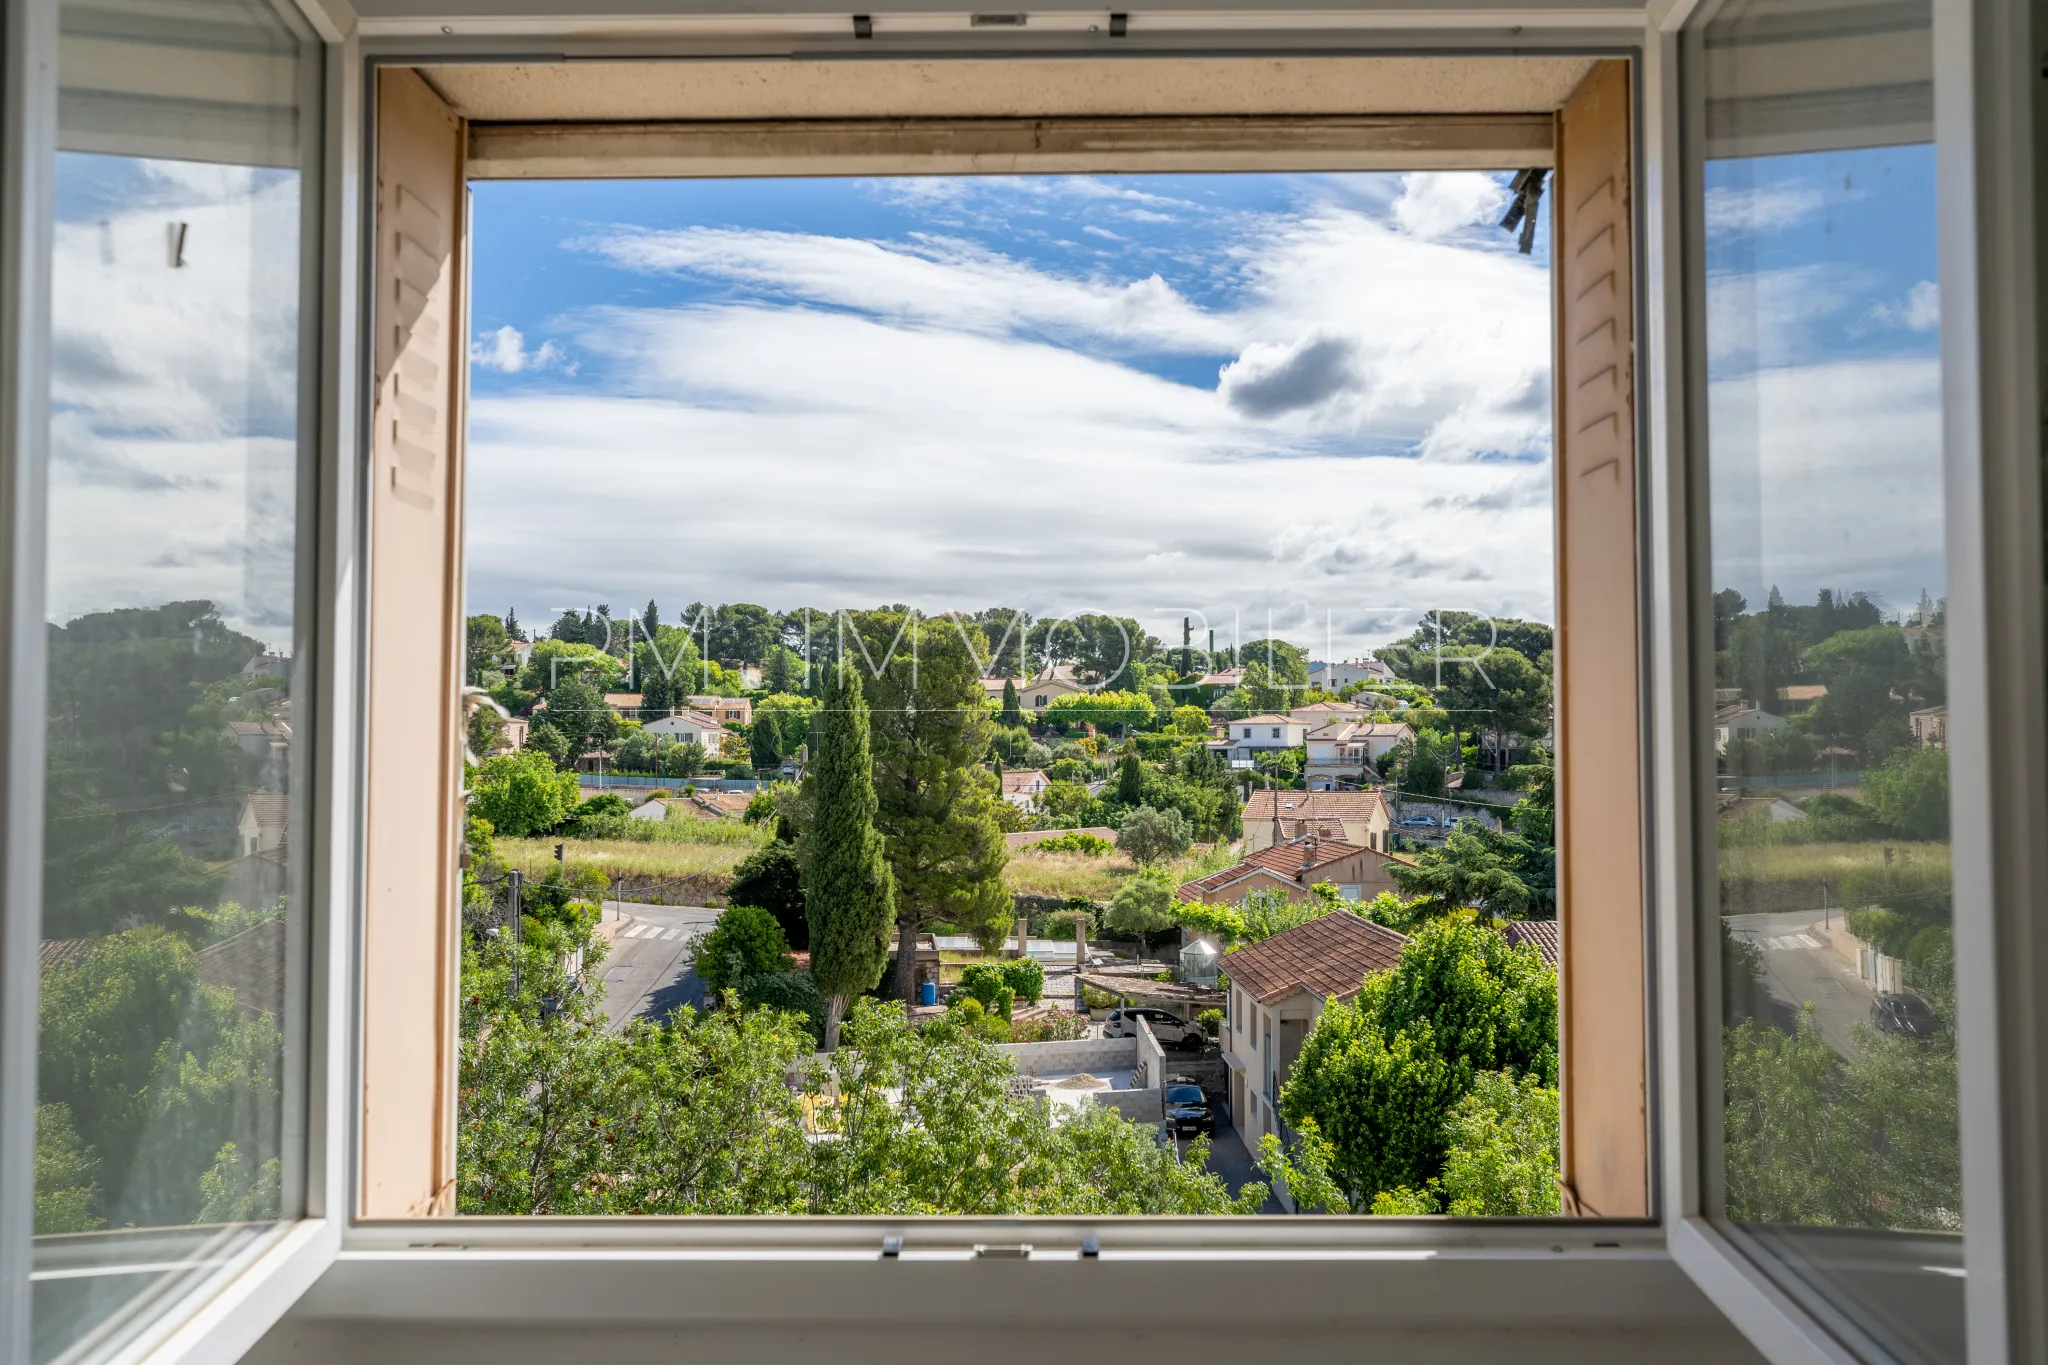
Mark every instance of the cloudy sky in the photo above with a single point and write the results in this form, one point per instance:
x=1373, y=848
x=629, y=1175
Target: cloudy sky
x=1316, y=401
x=1825, y=406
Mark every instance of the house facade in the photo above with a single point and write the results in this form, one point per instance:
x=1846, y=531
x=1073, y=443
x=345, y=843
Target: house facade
x=1244, y=740
x=1355, y=817
x=738, y=710
x=1930, y=727
x=1293, y=867
x=1023, y=787
x=690, y=727
x=1337, y=677
x=1348, y=751
x=1742, y=722
x=1278, y=990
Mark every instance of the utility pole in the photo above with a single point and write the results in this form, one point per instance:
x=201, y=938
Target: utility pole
x=513, y=910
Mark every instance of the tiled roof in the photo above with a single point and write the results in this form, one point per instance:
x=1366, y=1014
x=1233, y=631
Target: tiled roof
x=1294, y=805
x=250, y=966
x=624, y=701
x=1329, y=956
x=56, y=951
x=1023, y=782
x=269, y=808
x=1291, y=861
x=1540, y=934
x=1267, y=719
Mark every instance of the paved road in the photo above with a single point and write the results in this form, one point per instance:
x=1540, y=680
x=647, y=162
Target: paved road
x=650, y=970
x=1800, y=967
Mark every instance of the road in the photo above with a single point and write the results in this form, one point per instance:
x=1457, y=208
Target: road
x=1800, y=967
x=650, y=970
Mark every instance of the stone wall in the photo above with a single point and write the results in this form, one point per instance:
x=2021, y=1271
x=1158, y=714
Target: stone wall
x=1083, y=1054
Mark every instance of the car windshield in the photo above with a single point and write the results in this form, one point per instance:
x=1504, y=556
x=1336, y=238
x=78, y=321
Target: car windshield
x=1184, y=1094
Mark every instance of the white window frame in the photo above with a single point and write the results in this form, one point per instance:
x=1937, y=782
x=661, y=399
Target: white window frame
x=513, y=1271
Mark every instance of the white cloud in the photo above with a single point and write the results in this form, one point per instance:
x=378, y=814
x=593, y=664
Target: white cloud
x=1762, y=208
x=505, y=351
x=1438, y=204
x=1919, y=311
x=851, y=421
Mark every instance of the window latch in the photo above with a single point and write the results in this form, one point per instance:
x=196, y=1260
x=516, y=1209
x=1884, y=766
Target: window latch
x=1012, y=1251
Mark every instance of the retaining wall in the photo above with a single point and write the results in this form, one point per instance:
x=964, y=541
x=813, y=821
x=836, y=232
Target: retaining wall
x=1082, y=1054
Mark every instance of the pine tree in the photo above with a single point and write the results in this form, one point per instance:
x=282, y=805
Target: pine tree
x=849, y=892
x=650, y=621
x=569, y=628
x=512, y=623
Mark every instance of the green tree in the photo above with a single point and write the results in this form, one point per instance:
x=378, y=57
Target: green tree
x=488, y=648
x=1012, y=714
x=745, y=941
x=578, y=710
x=1130, y=780
x=1502, y=1153
x=771, y=877
x=1475, y=869
x=1910, y=792
x=1142, y=906
x=930, y=727
x=1146, y=835
x=549, y=742
x=522, y=793
x=1420, y=764
x=849, y=891
x=66, y=1192
x=1380, y=1074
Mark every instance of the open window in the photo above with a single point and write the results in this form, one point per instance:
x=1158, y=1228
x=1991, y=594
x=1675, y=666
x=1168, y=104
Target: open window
x=1565, y=120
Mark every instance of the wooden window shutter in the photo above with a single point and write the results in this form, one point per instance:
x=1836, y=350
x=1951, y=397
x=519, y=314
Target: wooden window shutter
x=1604, y=1027
x=415, y=654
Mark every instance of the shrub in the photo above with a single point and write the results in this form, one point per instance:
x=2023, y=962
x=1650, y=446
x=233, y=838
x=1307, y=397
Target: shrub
x=770, y=878
x=1143, y=906
x=1057, y=1028
x=1095, y=999
x=1076, y=841
x=601, y=817
x=745, y=942
x=1148, y=835
x=967, y=1015
x=1025, y=977
x=791, y=992
x=1211, y=1022
x=988, y=983
x=522, y=794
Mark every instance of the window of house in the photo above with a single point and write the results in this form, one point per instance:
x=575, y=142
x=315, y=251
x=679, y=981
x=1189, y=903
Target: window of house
x=170, y=1078
x=1829, y=577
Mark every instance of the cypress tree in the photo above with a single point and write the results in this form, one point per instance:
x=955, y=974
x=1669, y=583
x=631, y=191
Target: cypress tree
x=1012, y=713
x=849, y=893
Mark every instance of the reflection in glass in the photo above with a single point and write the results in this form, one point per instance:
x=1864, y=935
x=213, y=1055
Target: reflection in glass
x=170, y=850
x=1840, y=1128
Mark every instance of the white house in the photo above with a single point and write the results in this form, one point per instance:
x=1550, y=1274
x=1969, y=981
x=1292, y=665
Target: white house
x=690, y=727
x=1248, y=738
x=1278, y=988
x=1742, y=722
x=264, y=821
x=1023, y=787
x=1337, y=677
x=1930, y=727
x=1349, y=751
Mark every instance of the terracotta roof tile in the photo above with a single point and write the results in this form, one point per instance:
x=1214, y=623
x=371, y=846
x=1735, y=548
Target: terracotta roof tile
x=1329, y=956
x=1294, y=805
x=1540, y=934
x=250, y=966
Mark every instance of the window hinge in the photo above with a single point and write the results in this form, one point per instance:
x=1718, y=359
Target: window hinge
x=1011, y=1251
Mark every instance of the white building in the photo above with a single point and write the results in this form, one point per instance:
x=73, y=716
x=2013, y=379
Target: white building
x=1337, y=677
x=1350, y=751
x=1742, y=722
x=1248, y=738
x=690, y=727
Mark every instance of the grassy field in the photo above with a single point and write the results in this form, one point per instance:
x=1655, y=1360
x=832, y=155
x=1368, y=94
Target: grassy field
x=659, y=859
x=1032, y=873
x=1790, y=876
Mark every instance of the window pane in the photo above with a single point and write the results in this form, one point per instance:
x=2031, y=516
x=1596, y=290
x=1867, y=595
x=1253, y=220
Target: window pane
x=1839, y=1149
x=171, y=853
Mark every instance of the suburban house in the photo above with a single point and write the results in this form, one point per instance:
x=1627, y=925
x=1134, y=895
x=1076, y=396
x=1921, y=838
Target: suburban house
x=256, y=737
x=1291, y=868
x=1278, y=988
x=1350, y=751
x=625, y=703
x=1540, y=934
x=1255, y=735
x=1023, y=787
x=1357, y=817
x=1742, y=722
x=690, y=727
x=1337, y=677
x=1799, y=697
x=738, y=710
x=1039, y=692
x=1222, y=677
x=1930, y=727
x=262, y=824
x=512, y=737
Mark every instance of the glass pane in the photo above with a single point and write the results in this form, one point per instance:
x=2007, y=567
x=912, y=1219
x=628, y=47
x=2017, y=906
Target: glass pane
x=1839, y=1149
x=171, y=853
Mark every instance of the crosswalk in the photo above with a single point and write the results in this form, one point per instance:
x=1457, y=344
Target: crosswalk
x=655, y=931
x=1786, y=943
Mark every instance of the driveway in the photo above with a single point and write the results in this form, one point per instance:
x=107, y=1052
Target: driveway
x=651, y=969
x=1800, y=968
x=1229, y=1159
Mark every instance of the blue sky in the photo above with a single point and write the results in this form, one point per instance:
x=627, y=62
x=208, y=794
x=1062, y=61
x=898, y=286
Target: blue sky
x=1825, y=397
x=1319, y=402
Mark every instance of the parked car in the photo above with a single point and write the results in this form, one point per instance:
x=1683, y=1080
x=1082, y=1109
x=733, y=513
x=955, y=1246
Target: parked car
x=1904, y=1016
x=1170, y=1029
x=1427, y=821
x=1187, y=1110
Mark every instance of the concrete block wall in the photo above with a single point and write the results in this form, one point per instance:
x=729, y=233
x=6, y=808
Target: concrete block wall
x=1139, y=1106
x=1151, y=1067
x=1083, y=1054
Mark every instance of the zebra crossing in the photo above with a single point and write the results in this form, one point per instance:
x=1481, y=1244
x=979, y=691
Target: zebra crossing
x=653, y=932
x=1786, y=943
